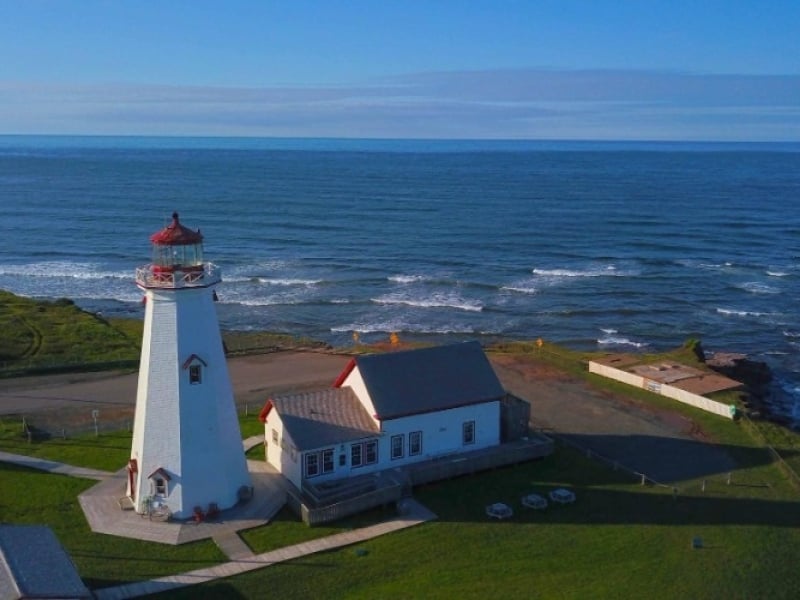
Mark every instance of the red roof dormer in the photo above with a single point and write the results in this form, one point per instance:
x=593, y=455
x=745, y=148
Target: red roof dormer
x=176, y=234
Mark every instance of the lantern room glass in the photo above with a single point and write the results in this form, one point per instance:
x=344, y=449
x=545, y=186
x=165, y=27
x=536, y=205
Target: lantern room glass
x=185, y=256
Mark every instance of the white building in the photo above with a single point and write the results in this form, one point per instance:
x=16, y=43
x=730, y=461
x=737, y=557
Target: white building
x=187, y=447
x=385, y=411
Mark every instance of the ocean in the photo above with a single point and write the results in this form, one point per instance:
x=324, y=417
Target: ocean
x=594, y=245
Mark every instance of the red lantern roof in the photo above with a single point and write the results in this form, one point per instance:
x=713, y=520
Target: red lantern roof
x=176, y=234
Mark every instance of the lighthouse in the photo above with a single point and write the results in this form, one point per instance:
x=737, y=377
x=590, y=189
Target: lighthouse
x=187, y=450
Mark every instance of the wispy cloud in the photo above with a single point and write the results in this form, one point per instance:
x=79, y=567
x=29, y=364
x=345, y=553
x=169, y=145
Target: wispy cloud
x=533, y=103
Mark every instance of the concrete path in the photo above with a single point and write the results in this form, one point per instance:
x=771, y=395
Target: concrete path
x=252, y=442
x=51, y=466
x=233, y=546
x=415, y=515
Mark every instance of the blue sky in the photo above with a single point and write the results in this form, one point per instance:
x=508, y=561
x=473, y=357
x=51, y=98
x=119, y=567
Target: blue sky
x=565, y=69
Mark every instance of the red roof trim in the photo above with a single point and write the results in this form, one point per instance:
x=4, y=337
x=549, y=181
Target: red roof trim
x=159, y=471
x=176, y=234
x=133, y=465
x=345, y=373
x=262, y=416
x=191, y=359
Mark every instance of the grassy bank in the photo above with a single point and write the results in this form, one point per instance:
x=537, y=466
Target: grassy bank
x=39, y=336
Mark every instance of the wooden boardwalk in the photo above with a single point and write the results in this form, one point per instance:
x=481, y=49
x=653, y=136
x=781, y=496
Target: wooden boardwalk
x=415, y=514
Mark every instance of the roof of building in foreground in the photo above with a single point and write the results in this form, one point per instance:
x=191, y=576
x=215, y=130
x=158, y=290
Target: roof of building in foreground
x=33, y=564
x=428, y=379
x=322, y=417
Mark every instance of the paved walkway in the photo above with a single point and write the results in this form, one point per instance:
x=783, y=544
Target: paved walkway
x=252, y=442
x=415, y=514
x=52, y=466
x=101, y=506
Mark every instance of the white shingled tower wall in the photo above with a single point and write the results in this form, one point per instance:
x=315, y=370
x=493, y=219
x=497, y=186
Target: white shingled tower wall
x=187, y=447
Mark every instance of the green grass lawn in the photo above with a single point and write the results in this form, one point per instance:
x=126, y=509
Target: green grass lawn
x=619, y=540
x=30, y=496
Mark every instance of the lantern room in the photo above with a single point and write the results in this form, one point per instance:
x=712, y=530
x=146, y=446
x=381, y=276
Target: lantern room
x=177, y=248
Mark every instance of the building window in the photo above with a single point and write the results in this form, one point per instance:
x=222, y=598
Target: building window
x=312, y=464
x=414, y=443
x=371, y=452
x=275, y=436
x=364, y=453
x=397, y=446
x=327, y=461
x=356, y=455
x=195, y=374
x=160, y=485
x=468, y=432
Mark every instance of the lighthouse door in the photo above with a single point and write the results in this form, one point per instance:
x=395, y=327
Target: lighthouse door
x=132, y=471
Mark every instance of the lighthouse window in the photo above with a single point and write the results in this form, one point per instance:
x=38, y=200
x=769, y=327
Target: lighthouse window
x=195, y=374
x=161, y=486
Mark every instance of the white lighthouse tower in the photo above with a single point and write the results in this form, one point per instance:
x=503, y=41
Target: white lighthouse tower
x=187, y=447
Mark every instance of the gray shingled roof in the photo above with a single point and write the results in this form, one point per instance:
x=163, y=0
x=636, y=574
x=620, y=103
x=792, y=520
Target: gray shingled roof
x=324, y=417
x=33, y=564
x=429, y=379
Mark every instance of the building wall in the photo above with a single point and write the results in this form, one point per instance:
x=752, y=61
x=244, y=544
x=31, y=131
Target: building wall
x=442, y=432
x=441, y=435
x=356, y=382
x=282, y=454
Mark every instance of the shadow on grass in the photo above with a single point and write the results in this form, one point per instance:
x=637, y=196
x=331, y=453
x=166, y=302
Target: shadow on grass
x=669, y=459
x=606, y=496
x=219, y=589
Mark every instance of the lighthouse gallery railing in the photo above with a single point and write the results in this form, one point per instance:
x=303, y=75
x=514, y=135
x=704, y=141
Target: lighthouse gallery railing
x=149, y=276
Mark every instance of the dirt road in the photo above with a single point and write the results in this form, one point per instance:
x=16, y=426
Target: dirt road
x=662, y=444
